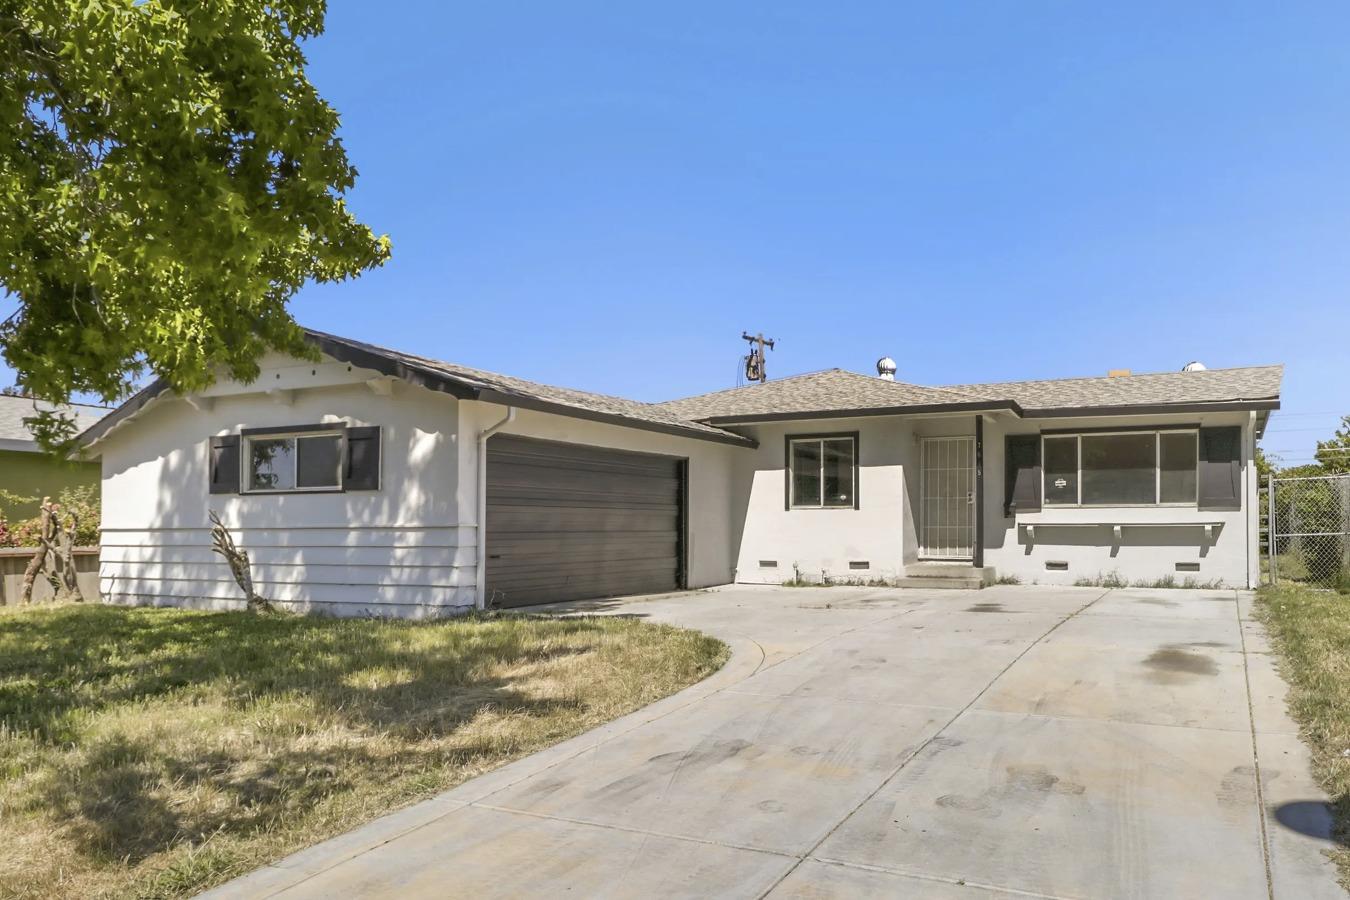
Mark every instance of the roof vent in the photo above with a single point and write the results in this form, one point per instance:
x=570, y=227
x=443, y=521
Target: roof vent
x=886, y=369
x=1118, y=373
x=1193, y=366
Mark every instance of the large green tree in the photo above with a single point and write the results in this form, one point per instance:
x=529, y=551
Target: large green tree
x=169, y=178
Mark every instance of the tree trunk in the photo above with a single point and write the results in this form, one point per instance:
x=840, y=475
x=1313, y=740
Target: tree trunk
x=237, y=560
x=38, y=562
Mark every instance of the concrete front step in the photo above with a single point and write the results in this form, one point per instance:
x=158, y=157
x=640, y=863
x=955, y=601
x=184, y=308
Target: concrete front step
x=973, y=582
x=957, y=576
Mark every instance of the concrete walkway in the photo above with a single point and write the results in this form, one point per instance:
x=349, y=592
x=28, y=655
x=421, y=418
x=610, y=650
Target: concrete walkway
x=1010, y=742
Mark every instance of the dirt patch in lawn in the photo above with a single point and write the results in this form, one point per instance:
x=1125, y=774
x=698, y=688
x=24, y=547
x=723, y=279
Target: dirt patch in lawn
x=155, y=752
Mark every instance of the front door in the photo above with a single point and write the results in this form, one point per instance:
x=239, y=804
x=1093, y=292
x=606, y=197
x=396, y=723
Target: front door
x=947, y=498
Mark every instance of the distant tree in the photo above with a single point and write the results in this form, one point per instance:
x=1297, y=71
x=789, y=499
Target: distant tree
x=169, y=178
x=1334, y=454
x=1266, y=465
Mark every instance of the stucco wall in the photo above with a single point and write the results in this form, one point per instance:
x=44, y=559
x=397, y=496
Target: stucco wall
x=397, y=551
x=884, y=530
x=1143, y=554
x=816, y=541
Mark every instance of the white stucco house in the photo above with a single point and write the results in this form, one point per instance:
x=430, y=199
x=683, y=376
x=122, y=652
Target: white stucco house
x=376, y=482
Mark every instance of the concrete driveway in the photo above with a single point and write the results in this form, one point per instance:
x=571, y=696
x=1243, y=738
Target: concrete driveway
x=1016, y=741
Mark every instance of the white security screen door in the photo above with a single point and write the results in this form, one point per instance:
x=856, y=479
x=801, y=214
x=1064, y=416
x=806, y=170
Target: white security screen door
x=947, y=498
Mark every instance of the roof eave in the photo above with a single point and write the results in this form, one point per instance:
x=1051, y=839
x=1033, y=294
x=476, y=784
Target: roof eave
x=1147, y=409
x=534, y=403
x=463, y=390
x=18, y=445
x=385, y=365
x=435, y=381
x=138, y=401
x=866, y=411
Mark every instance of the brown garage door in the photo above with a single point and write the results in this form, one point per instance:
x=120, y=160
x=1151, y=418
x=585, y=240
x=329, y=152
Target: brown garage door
x=571, y=522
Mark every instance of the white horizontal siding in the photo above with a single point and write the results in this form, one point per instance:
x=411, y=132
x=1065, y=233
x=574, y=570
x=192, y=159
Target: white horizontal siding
x=401, y=606
x=316, y=569
x=415, y=557
x=399, y=550
x=226, y=589
x=356, y=535
x=306, y=573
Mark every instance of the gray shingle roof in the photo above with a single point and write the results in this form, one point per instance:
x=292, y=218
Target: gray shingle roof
x=834, y=390
x=827, y=394
x=13, y=410
x=1152, y=389
x=468, y=383
x=838, y=391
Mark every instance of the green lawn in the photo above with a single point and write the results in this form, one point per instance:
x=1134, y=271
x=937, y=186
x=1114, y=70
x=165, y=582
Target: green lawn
x=150, y=752
x=1311, y=631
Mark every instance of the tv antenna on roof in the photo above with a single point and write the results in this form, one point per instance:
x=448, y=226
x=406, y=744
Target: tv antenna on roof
x=754, y=362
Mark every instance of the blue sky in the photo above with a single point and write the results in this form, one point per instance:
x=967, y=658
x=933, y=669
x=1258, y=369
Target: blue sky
x=605, y=195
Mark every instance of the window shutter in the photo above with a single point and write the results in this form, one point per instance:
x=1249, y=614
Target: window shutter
x=1021, y=473
x=223, y=468
x=363, y=458
x=1221, y=468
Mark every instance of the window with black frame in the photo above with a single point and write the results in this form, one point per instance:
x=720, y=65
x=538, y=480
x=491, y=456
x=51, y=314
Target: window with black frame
x=1126, y=468
x=293, y=462
x=823, y=471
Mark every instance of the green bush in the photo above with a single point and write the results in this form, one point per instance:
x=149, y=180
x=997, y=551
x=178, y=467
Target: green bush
x=82, y=501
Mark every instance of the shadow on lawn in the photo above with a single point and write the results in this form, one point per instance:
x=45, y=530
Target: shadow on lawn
x=90, y=658
x=121, y=796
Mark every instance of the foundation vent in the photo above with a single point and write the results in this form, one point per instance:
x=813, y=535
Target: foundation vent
x=1188, y=567
x=859, y=564
x=1057, y=565
x=768, y=563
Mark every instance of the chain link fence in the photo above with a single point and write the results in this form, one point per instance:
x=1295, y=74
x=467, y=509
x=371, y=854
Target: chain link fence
x=1308, y=530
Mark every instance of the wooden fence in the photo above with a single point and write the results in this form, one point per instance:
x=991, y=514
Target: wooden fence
x=13, y=560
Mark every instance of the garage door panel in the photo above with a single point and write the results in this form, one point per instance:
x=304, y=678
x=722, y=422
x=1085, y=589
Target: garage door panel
x=586, y=548
x=550, y=572
x=543, y=466
x=561, y=520
x=563, y=588
x=555, y=479
x=584, y=499
x=569, y=522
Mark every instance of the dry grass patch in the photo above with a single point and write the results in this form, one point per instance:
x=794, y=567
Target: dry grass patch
x=1311, y=632
x=155, y=752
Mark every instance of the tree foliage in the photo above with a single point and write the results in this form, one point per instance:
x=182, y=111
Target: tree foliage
x=169, y=178
x=1334, y=454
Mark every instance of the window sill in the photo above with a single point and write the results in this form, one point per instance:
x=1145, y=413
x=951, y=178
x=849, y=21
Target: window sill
x=1211, y=527
x=284, y=491
x=1186, y=504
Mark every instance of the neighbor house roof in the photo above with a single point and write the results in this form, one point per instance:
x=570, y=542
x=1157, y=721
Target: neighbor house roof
x=468, y=383
x=15, y=435
x=837, y=393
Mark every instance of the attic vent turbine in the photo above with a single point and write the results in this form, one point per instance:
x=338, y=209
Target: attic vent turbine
x=1193, y=366
x=886, y=369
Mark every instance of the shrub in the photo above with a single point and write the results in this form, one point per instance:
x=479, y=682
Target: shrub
x=83, y=501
